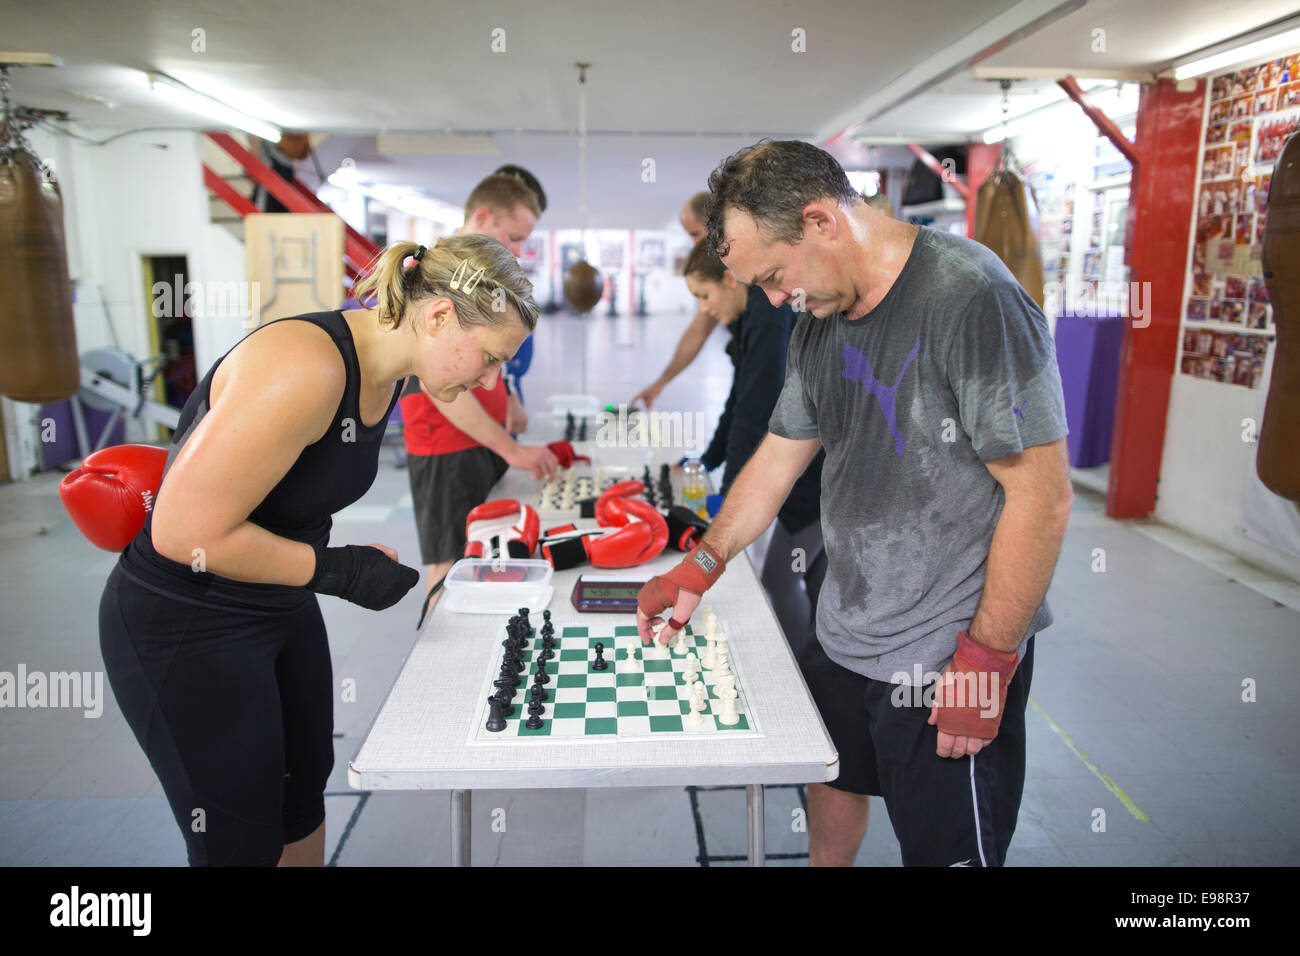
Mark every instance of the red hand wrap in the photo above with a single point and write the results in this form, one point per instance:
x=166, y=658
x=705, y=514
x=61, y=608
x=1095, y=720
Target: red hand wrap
x=972, y=690
x=697, y=572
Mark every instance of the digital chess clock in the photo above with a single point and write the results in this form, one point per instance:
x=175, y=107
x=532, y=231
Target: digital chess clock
x=605, y=594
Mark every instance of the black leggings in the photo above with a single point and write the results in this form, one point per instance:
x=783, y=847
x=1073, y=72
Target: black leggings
x=234, y=711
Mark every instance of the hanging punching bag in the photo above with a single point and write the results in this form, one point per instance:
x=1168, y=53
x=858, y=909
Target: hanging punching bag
x=38, y=341
x=583, y=286
x=1278, y=460
x=1007, y=222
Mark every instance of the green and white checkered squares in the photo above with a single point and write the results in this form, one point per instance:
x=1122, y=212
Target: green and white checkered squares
x=612, y=703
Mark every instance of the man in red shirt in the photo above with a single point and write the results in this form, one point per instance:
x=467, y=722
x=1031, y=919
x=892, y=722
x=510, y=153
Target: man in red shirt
x=458, y=450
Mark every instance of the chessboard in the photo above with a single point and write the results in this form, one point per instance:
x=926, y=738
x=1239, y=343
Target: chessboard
x=562, y=496
x=643, y=696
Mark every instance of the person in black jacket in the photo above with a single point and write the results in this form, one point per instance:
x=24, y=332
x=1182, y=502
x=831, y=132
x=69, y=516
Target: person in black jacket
x=796, y=561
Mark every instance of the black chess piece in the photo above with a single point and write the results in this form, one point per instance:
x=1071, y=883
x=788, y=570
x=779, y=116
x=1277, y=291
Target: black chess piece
x=538, y=692
x=541, y=677
x=523, y=616
x=546, y=617
x=506, y=699
x=582, y=430
x=534, y=721
x=599, y=663
x=569, y=426
x=496, y=721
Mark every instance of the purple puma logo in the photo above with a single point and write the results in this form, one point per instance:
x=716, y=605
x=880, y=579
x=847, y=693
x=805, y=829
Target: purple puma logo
x=858, y=369
x=1020, y=409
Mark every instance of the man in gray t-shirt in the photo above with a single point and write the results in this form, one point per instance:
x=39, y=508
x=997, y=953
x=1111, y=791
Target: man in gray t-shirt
x=929, y=377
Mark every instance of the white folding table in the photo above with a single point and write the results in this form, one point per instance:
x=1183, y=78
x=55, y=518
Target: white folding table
x=421, y=738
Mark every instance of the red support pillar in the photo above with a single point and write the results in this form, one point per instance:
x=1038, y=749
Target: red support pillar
x=1164, y=188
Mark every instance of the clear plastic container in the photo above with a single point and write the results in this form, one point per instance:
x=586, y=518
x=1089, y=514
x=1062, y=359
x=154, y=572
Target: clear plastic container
x=498, y=586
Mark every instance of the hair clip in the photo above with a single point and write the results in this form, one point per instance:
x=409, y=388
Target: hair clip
x=474, y=280
x=458, y=276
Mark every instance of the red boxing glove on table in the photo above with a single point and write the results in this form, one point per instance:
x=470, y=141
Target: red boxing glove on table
x=972, y=690
x=698, y=572
x=112, y=492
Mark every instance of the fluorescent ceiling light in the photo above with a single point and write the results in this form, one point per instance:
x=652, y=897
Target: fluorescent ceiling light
x=1111, y=98
x=1258, y=50
x=404, y=200
x=191, y=99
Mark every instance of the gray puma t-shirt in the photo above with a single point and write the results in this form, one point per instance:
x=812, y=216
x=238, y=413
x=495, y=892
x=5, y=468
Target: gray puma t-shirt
x=954, y=368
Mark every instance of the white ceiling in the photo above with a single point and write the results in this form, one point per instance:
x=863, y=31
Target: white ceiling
x=682, y=82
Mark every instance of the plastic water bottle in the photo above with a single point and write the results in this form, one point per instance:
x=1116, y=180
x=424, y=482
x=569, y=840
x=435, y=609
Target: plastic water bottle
x=695, y=488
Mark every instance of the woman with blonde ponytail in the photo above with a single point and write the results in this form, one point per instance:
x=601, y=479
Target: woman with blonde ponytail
x=212, y=637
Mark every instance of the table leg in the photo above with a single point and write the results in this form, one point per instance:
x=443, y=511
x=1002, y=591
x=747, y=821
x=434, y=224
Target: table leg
x=754, y=809
x=460, y=807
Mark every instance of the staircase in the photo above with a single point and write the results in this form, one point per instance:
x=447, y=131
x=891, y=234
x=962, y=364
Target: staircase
x=231, y=171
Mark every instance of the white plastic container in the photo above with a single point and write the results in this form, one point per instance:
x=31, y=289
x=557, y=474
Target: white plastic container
x=582, y=406
x=488, y=586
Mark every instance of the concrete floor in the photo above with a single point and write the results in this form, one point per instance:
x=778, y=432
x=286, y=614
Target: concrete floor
x=1137, y=721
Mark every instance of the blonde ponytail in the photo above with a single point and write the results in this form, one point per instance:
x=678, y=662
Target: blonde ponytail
x=476, y=272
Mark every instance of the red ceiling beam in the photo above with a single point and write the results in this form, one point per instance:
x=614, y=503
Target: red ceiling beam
x=940, y=170
x=1103, y=122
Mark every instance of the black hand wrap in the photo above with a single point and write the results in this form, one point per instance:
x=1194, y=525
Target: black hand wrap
x=362, y=575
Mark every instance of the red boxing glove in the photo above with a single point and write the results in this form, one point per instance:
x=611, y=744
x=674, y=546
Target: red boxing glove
x=564, y=452
x=698, y=572
x=112, y=493
x=501, y=529
x=972, y=690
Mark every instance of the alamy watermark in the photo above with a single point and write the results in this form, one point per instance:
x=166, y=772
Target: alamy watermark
x=240, y=300
x=650, y=429
x=71, y=689
x=1129, y=300
x=980, y=689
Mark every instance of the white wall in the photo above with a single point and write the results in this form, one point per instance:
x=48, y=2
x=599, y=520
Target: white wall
x=1207, y=467
x=138, y=196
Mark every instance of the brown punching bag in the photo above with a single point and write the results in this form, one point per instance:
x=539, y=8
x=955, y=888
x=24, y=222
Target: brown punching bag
x=1278, y=460
x=1007, y=222
x=38, y=341
x=583, y=286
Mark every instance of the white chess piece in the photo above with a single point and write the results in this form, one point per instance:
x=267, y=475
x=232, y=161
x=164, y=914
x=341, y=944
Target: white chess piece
x=699, y=690
x=727, y=715
x=679, y=643
x=724, y=683
x=690, y=676
x=696, y=717
x=721, y=666
x=633, y=665
x=709, y=657
x=692, y=662
x=726, y=691
x=721, y=641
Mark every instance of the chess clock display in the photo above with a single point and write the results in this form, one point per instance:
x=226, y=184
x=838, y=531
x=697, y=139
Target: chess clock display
x=604, y=594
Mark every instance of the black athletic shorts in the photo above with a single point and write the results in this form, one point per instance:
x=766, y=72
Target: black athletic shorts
x=444, y=489
x=945, y=812
x=235, y=712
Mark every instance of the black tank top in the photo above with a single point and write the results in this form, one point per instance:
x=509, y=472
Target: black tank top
x=328, y=475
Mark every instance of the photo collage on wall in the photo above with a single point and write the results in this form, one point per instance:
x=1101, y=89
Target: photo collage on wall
x=1251, y=113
